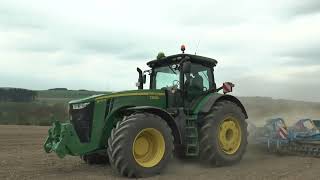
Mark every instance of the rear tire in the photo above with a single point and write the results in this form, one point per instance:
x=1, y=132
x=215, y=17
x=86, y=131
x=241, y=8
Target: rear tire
x=223, y=134
x=140, y=145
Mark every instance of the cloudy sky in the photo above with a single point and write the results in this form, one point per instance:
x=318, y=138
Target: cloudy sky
x=267, y=48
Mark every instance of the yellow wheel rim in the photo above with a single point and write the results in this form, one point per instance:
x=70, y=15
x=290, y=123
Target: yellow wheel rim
x=229, y=135
x=148, y=147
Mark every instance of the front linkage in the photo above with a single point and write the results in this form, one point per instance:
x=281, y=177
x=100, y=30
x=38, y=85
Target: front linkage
x=57, y=139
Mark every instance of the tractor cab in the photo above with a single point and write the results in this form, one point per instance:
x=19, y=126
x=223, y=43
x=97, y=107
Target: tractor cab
x=186, y=78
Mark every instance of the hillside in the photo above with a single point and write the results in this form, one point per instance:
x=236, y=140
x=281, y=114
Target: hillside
x=53, y=103
x=63, y=96
x=48, y=105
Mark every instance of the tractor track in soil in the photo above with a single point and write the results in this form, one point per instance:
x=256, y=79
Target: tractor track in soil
x=22, y=157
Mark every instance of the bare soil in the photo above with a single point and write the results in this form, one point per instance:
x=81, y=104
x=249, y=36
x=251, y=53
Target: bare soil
x=22, y=157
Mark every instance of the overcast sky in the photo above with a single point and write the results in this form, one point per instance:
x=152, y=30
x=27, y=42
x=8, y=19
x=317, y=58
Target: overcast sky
x=267, y=48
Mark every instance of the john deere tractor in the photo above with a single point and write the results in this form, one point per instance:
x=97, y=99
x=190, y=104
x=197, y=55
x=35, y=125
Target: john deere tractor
x=138, y=131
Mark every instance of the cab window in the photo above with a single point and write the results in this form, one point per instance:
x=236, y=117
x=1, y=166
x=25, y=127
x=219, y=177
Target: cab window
x=199, y=79
x=166, y=76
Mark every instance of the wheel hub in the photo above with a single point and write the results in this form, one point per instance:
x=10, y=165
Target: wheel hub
x=229, y=135
x=148, y=147
x=142, y=146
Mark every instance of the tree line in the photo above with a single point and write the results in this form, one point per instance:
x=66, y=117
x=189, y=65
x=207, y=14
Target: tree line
x=17, y=95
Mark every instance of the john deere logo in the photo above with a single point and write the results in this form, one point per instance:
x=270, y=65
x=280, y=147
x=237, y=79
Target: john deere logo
x=154, y=97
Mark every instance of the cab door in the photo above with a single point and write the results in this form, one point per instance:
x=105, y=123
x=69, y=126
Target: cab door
x=197, y=83
x=167, y=78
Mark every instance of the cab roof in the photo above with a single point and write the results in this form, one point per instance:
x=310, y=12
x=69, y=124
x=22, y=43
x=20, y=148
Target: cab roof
x=177, y=58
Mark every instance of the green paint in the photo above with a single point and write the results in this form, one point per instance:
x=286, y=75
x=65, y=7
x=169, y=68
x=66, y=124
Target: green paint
x=63, y=139
x=200, y=103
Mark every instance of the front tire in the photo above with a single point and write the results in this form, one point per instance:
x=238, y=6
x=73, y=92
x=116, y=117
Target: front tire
x=140, y=145
x=95, y=159
x=223, y=134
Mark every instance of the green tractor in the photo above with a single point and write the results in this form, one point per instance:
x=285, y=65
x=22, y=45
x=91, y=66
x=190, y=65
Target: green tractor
x=138, y=131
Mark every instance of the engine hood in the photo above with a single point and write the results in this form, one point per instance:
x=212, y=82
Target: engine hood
x=119, y=94
x=86, y=99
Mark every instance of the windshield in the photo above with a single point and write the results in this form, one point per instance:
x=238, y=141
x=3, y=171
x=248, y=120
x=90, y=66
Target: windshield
x=166, y=76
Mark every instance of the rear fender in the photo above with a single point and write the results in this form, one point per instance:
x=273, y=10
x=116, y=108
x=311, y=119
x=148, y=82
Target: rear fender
x=207, y=102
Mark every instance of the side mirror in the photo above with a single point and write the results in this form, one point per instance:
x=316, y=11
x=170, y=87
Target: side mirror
x=186, y=68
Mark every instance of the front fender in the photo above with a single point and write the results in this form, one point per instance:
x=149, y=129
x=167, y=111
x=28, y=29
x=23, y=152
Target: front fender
x=172, y=123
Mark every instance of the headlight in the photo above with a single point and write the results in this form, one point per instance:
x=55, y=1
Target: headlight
x=80, y=106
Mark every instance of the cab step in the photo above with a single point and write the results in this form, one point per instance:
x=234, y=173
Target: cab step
x=192, y=140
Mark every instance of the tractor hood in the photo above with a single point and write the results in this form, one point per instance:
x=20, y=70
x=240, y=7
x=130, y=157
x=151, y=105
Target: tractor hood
x=87, y=99
x=119, y=94
x=70, y=137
